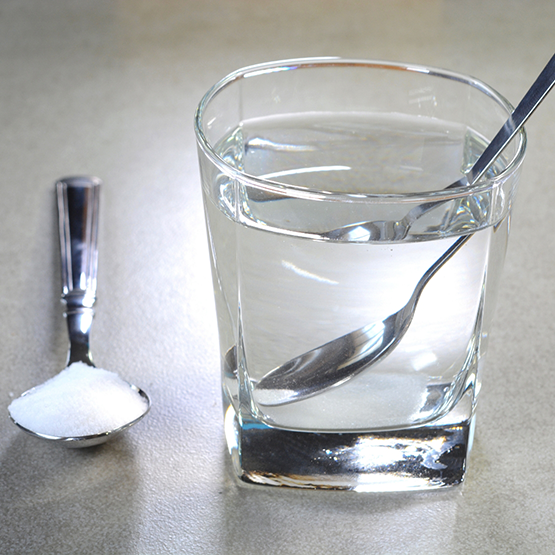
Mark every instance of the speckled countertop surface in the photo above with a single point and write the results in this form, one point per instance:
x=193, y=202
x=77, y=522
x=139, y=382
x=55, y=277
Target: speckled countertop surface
x=109, y=88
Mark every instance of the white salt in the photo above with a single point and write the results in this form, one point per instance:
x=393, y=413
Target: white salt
x=79, y=401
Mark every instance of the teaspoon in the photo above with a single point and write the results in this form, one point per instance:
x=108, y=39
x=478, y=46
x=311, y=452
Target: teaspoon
x=78, y=203
x=343, y=358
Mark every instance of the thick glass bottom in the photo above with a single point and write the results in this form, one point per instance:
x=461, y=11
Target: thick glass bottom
x=418, y=458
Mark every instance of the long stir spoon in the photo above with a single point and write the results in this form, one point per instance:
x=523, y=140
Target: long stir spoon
x=93, y=398
x=343, y=358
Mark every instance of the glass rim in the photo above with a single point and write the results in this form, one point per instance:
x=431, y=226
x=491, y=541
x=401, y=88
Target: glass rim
x=277, y=187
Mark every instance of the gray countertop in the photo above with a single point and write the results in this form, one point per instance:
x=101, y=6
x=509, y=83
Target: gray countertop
x=109, y=88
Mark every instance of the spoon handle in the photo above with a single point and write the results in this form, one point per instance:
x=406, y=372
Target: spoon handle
x=531, y=100
x=78, y=202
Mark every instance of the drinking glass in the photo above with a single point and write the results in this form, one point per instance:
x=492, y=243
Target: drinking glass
x=309, y=169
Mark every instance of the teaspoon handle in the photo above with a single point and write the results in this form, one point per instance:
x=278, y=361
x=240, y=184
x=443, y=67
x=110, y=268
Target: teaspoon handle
x=531, y=100
x=78, y=203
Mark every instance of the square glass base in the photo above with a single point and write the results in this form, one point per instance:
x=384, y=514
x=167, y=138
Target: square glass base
x=418, y=458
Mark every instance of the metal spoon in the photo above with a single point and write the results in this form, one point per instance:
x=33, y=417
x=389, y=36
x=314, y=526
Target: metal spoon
x=343, y=358
x=78, y=203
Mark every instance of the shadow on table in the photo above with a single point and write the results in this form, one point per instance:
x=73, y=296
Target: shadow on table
x=58, y=500
x=262, y=519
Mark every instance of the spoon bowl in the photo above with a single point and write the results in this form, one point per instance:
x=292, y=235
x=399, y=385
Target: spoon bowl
x=91, y=439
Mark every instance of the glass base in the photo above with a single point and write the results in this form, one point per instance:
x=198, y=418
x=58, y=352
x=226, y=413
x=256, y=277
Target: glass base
x=427, y=457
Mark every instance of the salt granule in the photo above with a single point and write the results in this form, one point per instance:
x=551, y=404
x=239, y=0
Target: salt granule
x=80, y=401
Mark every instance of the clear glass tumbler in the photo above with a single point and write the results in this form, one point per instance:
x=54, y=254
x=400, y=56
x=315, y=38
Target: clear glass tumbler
x=325, y=192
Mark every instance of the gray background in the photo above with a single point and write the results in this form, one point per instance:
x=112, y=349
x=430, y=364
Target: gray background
x=109, y=88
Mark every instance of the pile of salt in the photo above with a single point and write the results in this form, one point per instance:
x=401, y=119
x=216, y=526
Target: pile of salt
x=79, y=401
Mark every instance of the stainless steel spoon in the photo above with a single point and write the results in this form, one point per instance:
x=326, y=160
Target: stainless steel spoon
x=343, y=358
x=78, y=203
